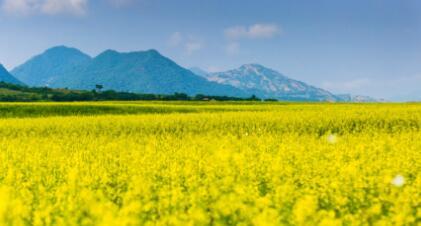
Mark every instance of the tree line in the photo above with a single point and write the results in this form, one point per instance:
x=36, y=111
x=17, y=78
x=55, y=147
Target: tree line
x=17, y=93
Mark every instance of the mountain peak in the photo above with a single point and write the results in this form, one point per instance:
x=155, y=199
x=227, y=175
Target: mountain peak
x=253, y=65
x=42, y=69
x=111, y=52
x=59, y=47
x=57, y=50
x=153, y=51
x=257, y=70
x=108, y=52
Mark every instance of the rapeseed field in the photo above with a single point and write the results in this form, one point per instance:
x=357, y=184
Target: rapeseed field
x=180, y=163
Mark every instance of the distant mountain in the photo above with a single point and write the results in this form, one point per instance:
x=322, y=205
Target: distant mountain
x=364, y=99
x=344, y=97
x=5, y=76
x=357, y=98
x=267, y=83
x=140, y=72
x=45, y=69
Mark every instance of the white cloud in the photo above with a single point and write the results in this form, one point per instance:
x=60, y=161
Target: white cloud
x=232, y=48
x=263, y=31
x=256, y=31
x=19, y=6
x=236, y=32
x=188, y=43
x=175, y=39
x=192, y=46
x=77, y=7
x=51, y=7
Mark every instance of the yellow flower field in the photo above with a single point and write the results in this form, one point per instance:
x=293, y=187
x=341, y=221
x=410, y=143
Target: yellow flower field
x=178, y=163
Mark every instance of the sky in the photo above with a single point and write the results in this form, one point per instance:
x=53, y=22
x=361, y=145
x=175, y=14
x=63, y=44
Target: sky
x=362, y=47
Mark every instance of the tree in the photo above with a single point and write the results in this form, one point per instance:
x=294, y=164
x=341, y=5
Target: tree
x=99, y=87
x=254, y=98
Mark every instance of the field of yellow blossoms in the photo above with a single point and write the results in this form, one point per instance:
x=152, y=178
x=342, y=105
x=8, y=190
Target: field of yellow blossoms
x=180, y=163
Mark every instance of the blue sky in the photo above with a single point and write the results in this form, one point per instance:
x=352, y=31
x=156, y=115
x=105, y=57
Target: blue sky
x=367, y=47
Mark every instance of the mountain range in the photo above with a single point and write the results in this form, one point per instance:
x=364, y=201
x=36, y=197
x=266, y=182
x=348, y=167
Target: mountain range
x=150, y=72
x=139, y=72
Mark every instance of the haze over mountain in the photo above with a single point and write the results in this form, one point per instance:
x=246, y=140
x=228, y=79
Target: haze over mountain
x=5, y=76
x=140, y=72
x=199, y=71
x=267, y=83
x=357, y=98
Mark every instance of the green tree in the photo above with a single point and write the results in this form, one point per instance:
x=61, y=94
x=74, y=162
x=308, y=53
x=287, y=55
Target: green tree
x=99, y=87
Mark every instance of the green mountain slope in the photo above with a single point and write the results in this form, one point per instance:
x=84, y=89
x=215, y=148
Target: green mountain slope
x=5, y=76
x=45, y=69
